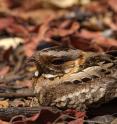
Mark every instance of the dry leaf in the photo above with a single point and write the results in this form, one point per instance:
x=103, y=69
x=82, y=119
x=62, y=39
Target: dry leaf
x=4, y=122
x=114, y=121
x=4, y=71
x=62, y=3
x=4, y=104
x=6, y=43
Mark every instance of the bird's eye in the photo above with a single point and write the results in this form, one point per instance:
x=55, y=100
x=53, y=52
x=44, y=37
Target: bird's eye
x=58, y=61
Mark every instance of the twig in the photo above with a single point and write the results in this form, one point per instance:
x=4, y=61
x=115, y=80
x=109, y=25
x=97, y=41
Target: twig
x=16, y=95
x=11, y=78
x=97, y=122
x=8, y=113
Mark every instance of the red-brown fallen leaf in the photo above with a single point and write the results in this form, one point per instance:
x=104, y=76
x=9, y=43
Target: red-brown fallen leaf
x=4, y=4
x=78, y=121
x=79, y=116
x=90, y=41
x=63, y=29
x=74, y=112
x=96, y=7
x=18, y=29
x=106, y=43
x=5, y=23
x=34, y=41
x=99, y=39
x=33, y=118
x=88, y=34
x=47, y=30
x=113, y=4
x=4, y=70
x=47, y=116
x=11, y=25
x=4, y=122
x=97, y=35
x=82, y=43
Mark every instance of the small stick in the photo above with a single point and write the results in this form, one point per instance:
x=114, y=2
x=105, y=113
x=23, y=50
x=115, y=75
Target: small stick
x=8, y=113
x=16, y=95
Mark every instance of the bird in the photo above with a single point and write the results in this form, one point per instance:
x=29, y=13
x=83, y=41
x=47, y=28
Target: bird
x=72, y=78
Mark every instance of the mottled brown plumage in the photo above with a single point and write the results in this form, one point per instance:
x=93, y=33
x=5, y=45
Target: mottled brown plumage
x=71, y=78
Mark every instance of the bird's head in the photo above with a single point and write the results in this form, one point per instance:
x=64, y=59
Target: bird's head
x=56, y=61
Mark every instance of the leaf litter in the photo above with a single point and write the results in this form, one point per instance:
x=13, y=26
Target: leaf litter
x=89, y=25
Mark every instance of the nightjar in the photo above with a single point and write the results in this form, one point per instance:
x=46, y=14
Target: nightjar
x=71, y=78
